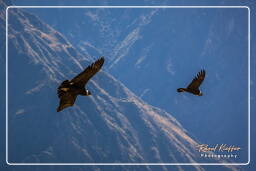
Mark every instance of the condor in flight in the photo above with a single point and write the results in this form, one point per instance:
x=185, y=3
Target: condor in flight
x=193, y=87
x=69, y=90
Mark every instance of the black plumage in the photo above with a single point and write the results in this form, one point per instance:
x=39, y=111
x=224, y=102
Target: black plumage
x=69, y=90
x=193, y=87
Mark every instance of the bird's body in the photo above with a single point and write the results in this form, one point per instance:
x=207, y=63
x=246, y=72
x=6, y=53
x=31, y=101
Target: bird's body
x=69, y=90
x=195, y=92
x=67, y=86
x=193, y=87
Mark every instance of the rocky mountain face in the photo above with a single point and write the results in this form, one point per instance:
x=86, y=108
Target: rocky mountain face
x=112, y=125
x=153, y=58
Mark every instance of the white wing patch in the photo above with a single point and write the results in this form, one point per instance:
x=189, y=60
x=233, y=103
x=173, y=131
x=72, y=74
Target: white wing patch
x=65, y=89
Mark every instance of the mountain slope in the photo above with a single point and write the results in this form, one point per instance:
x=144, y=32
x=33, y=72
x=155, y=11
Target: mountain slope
x=112, y=125
x=112, y=108
x=155, y=51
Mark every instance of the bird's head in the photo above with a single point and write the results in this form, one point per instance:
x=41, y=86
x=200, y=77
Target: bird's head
x=88, y=93
x=200, y=93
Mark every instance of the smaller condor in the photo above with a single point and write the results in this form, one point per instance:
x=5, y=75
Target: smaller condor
x=69, y=90
x=193, y=87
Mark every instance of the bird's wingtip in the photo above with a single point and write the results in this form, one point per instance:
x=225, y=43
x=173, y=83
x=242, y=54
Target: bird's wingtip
x=202, y=71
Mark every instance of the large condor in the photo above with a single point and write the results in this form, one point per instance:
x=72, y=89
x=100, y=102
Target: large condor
x=69, y=90
x=193, y=87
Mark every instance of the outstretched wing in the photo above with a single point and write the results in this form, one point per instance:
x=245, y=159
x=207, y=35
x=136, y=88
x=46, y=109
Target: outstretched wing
x=66, y=99
x=82, y=78
x=197, y=81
